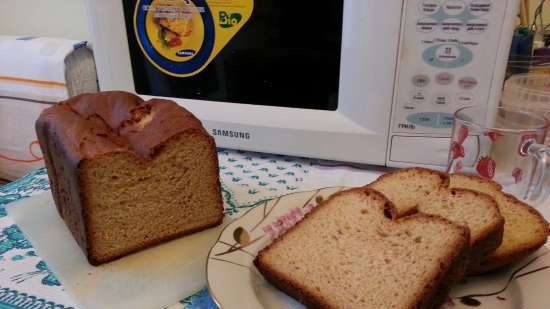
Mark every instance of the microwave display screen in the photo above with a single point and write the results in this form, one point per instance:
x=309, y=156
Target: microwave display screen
x=263, y=52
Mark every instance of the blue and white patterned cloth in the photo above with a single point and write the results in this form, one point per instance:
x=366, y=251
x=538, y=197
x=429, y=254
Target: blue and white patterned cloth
x=247, y=179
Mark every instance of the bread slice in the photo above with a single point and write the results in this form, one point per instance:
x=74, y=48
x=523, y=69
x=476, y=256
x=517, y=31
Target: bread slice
x=408, y=188
x=425, y=191
x=351, y=253
x=474, y=210
x=525, y=230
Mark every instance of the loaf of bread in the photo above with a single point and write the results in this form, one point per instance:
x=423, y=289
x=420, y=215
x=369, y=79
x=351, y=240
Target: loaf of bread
x=426, y=191
x=350, y=252
x=525, y=229
x=128, y=174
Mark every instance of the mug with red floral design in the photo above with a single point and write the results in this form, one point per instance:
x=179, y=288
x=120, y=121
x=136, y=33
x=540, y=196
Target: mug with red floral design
x=504, y=145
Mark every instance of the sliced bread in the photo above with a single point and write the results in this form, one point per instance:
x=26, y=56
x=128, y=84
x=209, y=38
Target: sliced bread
x=417, y=190
x=351, y=252
x=525, y=230
x=408, y=188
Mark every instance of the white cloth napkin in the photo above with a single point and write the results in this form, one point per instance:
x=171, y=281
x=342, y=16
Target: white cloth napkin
x=249, y=178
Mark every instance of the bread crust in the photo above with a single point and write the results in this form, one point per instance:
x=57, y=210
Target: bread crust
x=444, y=178
x=495, y=261
x=495, y=185
x=489, y=240
x=452, y=267
x=485, y=246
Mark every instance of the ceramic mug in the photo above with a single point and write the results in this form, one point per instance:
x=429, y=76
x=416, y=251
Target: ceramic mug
x=504, y=145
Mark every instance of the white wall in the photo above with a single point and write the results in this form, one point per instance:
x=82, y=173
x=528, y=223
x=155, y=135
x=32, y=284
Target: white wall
x=58, y=18
x=545, y=13
x=67, y=18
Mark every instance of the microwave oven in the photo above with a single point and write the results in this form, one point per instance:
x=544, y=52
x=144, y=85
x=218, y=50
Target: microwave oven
x=363, y=81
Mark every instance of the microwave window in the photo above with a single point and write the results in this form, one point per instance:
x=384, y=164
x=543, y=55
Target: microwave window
x=264, y=52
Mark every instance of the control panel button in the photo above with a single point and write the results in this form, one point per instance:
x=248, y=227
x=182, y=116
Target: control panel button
x=423, y=119
x=479, y=7
x=447, y=53
x=467, y=83
x=454, y=7
x=431, y=120
x=445, y=121
x=420, y=80
x=476, y=26
x=441, y=100
x=418, y=96
x=451, y=25
x=429, y=7
x=444, y=78
x=447, y=56
x=426, y=24
x=465, y=99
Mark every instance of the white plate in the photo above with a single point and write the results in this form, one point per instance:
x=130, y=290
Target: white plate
x=235, y=283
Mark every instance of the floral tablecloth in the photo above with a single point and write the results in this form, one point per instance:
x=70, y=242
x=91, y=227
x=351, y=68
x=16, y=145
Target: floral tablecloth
x=247, y=179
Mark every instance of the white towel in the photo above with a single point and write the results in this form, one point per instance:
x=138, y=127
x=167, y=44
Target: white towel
x=36, y=72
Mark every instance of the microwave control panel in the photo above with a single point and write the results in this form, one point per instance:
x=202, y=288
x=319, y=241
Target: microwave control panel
x=447, y=60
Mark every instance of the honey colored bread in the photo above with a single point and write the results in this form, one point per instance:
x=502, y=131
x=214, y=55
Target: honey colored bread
x=127, y=174
x=525, y=230
x=351, y=253
x=430, y=195
x=474, y=210
x=408, y=188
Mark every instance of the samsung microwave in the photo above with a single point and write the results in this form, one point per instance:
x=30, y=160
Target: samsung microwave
x=363, y=81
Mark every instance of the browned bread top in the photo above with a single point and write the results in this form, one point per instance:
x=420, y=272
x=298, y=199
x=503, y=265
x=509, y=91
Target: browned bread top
x=89, y=125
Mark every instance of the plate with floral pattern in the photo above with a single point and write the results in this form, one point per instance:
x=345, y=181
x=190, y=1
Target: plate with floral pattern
x=235, y=283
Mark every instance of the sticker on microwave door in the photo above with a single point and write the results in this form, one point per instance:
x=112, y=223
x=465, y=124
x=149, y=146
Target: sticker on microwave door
x=181, y=37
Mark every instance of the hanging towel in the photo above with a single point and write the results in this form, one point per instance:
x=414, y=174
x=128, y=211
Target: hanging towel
x=36, y=72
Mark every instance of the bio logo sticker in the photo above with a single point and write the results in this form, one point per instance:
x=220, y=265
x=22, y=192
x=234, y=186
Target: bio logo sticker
x=229, y=20
x=181, y=37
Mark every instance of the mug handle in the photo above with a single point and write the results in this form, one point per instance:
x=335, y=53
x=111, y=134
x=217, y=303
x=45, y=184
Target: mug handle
x=539, y=187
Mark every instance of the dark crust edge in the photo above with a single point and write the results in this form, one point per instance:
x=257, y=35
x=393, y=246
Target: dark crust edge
x=490, y=239
x=58, y=167
x=301, y=294
x=435, y=292
x=452, y=270
x=494, y=262
x=485, y=246
x=447, y=279
x=496, y=186
x=92, y=259
x=497, y=262
x=445, y=180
